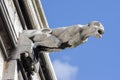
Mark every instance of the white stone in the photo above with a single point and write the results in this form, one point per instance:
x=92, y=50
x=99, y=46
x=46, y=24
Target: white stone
x=1, y=65
x=12, y=12
x=73, y=35
x=10, y=72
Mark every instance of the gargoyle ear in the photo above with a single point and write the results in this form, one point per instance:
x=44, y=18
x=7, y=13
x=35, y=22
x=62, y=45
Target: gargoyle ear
x=97, y=24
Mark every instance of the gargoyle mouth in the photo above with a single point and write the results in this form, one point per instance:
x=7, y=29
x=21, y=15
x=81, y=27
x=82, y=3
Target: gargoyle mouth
x=100, y=32
x=98, y=36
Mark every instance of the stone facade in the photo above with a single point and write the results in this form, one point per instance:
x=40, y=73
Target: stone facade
x=1, y=65
x=16, y=16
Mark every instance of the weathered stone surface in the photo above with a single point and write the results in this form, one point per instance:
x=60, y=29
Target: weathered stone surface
x=24, y=45
x=4, y=36
x=1, y=65
x=10, y=72
x=65, y=37
x=17, y=27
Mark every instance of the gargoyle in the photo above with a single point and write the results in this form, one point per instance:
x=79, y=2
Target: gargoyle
x=52, y=40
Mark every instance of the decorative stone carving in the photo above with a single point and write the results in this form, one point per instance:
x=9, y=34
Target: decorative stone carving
x=52, y=40
x=28, y=64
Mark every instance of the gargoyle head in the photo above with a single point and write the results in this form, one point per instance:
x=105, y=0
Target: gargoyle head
x=96, y=29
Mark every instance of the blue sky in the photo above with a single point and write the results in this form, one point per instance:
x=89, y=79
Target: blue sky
x=97, y=59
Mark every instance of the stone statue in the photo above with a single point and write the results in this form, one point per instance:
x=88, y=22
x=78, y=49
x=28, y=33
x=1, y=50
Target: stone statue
x=33, y=42
x=52, y=40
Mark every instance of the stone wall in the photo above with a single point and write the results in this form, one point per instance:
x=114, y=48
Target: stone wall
x=16, y=16
x=1, y=65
